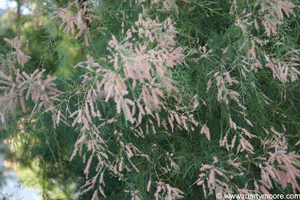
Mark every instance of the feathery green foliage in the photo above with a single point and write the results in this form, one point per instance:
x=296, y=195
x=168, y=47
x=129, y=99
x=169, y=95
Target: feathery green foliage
x=154, y=99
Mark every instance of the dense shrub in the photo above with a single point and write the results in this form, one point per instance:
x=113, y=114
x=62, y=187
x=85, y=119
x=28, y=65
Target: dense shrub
x=175, y=99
